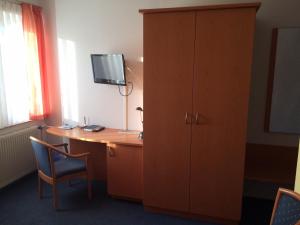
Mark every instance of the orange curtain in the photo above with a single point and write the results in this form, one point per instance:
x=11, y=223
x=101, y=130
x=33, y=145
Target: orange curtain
x=35, y=61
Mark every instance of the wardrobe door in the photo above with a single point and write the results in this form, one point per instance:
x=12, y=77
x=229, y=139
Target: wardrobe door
x=168, y=74
x=223, y=55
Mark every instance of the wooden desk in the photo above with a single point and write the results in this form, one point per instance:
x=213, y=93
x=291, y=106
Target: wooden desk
x=106, y=136
x=116, y=157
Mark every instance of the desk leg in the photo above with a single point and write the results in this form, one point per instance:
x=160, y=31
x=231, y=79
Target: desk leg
x=97, y=157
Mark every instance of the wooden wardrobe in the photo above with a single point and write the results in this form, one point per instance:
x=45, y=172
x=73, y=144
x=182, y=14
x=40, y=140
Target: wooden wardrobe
x=197, y=68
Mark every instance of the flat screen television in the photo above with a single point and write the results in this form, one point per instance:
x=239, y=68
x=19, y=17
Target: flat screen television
x=109, y=69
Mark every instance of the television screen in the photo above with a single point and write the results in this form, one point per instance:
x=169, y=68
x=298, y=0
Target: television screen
x=108, y=69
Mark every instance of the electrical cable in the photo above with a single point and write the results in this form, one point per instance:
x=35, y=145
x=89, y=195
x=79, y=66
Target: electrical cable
x=127, y=94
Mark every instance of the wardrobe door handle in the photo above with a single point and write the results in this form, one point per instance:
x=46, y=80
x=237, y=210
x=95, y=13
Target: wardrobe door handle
x=197, y=118
x=186, y=118
x=189, y=118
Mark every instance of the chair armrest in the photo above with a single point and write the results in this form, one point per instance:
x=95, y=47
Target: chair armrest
x=65, y=145
x=81, y=155
x=58, y=145
x=84, y=157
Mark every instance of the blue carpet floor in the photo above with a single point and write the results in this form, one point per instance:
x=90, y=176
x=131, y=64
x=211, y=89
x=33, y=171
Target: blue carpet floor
x=19, y=205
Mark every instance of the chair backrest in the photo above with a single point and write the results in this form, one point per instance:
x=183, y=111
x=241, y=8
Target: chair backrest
x=286, y=209
x=42, y=155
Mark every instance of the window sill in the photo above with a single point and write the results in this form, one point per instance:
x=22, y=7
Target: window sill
x=19, y=126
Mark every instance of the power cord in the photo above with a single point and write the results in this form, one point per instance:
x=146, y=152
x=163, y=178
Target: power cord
x=126, y=94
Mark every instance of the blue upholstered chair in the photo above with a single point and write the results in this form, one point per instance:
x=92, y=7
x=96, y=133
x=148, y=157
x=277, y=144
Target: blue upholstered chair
x=66, y=167
x=286, y=209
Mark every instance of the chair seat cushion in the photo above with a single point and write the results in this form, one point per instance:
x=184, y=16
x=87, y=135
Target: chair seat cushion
x=68, y=166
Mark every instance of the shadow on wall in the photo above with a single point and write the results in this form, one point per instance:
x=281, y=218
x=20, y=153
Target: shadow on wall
x=258, y=93
x=68, y=80
x=134, y=72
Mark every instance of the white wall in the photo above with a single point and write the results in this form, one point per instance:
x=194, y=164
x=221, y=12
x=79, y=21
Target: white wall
x=273, y=13
x=99, y=26
x=103, y=27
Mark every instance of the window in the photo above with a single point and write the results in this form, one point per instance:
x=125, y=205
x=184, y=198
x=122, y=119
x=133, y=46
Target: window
x=22, y=74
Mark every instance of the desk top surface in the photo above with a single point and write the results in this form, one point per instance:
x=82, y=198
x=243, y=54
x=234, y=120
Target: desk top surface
x=107, y=136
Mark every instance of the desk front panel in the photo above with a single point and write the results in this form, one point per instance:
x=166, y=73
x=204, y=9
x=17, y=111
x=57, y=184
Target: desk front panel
x=97, y=159
x=125, y=171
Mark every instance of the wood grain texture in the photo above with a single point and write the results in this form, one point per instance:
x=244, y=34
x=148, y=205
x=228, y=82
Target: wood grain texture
x=255, y=5
x=168, y=76
x=224, y=42
x=95, y=143
x=125, y=171
x=97, y=157
x=269, y=163
x=106, y=136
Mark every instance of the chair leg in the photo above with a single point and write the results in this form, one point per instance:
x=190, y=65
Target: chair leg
x=89, y=189
x=55, y=201
x=40, y=187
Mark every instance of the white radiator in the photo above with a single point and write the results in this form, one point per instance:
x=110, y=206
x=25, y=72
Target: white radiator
x=16, y=155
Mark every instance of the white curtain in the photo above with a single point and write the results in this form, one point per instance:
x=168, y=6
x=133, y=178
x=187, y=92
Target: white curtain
x=68, y=81
x=14, y=100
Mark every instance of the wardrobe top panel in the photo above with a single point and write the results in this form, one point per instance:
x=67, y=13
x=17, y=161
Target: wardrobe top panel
x=203, y=7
